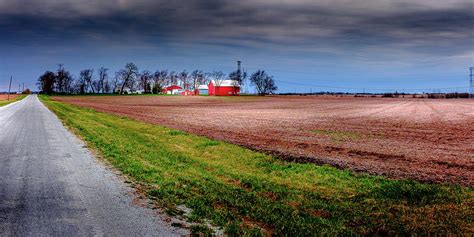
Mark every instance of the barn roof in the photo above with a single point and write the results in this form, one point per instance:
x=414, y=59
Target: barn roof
x=173, y=87
x=227, y=83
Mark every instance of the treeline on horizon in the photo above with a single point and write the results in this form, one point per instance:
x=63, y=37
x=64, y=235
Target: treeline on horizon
x=448, y=95
x=129, y=78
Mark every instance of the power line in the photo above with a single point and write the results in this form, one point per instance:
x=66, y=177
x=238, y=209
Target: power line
x=367, y=88
x=369, y=80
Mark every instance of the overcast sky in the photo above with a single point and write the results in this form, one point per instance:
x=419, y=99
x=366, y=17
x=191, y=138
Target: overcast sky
x=333, y=44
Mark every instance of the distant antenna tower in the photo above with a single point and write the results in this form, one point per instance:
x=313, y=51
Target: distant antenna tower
x=471, y=82
x=239, y=69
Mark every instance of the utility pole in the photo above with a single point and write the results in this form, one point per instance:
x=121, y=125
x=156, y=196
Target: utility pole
x=23, y=88
x=471, y=82
x=9, y=87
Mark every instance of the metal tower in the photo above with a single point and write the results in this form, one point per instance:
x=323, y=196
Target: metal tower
x=471, y=82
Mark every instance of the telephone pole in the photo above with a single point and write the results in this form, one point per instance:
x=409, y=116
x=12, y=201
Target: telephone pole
x=471, y=82
x=9, y=87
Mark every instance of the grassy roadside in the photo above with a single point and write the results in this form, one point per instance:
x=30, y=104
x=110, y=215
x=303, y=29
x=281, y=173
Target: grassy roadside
x=250, y=193
x=18, y=98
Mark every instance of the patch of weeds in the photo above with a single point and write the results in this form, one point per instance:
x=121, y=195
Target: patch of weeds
x=239, y=229
x=416, y=193
x=208, y=144
x=338, y=135
x=234, y=229
x=176, y=133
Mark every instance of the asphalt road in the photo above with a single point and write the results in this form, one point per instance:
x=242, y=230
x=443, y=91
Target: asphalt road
x=50, y=185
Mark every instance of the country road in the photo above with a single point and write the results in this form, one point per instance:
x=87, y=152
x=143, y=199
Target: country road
x=50, y=185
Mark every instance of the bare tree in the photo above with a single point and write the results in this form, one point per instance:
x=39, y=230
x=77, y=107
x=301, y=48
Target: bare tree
x=82, y=82
x=145, y=80
x=219, y=78
x=86, y=79
x=63, y=80
x=173, y=78
x=183, y=78
x=159, y=79
x=204, y=80
x=103, y=79
x=263, y=82
x=197, y=77
x=96, y=85
x=59, y=79
x=116, y=82
x=127, y=76
x=239, y=76
x=46, y=82
x=107, y=88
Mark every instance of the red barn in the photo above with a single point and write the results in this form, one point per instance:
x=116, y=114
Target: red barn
x=224, y=88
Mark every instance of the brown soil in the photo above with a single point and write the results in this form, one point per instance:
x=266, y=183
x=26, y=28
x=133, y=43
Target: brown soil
x=426, y=140
x=5, y=97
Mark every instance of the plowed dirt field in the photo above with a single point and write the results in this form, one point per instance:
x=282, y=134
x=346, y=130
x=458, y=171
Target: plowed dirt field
x=421, y=139
x=5, y=97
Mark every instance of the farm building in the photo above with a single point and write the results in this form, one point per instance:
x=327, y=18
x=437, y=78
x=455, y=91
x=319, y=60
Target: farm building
x=224, y=88
x=125, y=91
x=172, y=90
x=186, y=92
x=202, y=90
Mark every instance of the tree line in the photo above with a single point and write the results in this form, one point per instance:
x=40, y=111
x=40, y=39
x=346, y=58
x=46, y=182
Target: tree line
x=130, y=78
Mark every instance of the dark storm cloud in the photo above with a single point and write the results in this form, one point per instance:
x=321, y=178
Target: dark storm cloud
x=424, y=30
x=404, y=24
x=294, y=39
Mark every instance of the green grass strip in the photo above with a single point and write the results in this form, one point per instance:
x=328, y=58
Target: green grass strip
x=250, y=193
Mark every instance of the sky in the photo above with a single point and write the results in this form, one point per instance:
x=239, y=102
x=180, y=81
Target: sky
x=307, y=45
